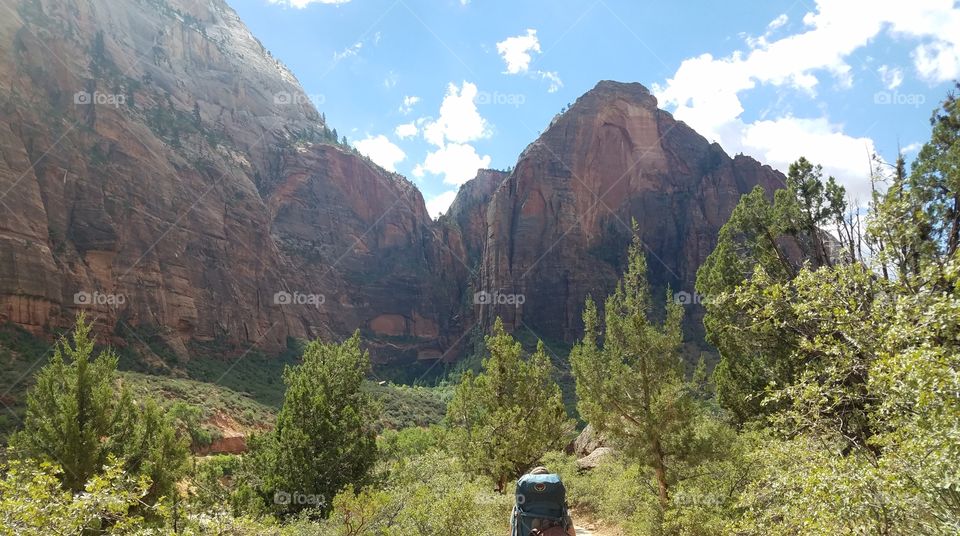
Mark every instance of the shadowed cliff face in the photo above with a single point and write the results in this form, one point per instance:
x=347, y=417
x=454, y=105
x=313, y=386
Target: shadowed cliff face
x=161, y=171
x=559, y=225
x=159, y=168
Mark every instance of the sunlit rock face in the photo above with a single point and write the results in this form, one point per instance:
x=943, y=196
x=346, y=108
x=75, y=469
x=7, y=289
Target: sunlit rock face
x=559, y=225
x=160, y=170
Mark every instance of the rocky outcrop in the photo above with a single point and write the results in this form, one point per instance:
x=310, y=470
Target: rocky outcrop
x=560, y=223
x=469, y=212
x=159, y=169
x=594, y=459
x=587, y=441
x=224, y=445
x=590, y=448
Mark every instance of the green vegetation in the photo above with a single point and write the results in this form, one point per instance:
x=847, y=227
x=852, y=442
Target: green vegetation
x=196, y=406
x=324, y=438
x=79, y=418
x=834, y=408
x=21, y=355
x=405, y=406
x=34, y=504
x=508, y=416
x=630, y=380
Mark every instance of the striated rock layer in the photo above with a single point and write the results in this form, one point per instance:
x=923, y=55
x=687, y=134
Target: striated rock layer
x=559, y=225
x=159, y=168
x=162, y=172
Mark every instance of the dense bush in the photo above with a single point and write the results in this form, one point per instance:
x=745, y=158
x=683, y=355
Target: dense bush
x=79, y=416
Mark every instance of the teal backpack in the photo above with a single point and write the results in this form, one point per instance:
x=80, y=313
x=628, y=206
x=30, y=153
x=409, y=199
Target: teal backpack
x=541, y=501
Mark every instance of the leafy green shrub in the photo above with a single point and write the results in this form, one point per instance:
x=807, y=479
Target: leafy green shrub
x=505, y=418
x=187, y=419
x=426, y=494
x=406, y=406
x=33, y=503
x=397, y=445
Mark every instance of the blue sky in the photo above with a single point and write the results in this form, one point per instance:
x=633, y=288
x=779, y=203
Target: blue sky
x=436, y=88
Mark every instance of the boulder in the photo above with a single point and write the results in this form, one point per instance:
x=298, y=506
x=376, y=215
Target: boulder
x=594, y=459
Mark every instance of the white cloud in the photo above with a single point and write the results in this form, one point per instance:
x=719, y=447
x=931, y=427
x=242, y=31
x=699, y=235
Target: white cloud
x=391, y=80
x=348, y=52
x=382, y=151
x=778, y=22
x=457, y=162
x=555, y=82
x=406, y=130
x=409, y=102
x=763, y=40
x=354, y=49
x=705, y=91
x=912, y=148
x=938, y=62
x=459, y=123
x=892, y=76
x=517, y=51
x=459, y=120
x=300, y=4
x=781, y=141
x=439, y=203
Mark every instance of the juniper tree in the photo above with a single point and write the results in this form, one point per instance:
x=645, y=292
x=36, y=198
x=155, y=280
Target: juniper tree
x=325, y=436
x=630, y=376
x=505, y=418
x=79, y=415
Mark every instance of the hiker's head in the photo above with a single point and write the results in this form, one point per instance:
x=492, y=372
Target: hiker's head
x=539, y=470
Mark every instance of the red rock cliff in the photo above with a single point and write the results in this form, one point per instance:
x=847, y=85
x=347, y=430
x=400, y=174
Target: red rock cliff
x=159, y=168
x=559, y=225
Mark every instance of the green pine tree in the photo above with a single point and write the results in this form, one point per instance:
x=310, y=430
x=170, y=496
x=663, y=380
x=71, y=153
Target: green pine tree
x=506, y=417
x=630, y=376
x=79, y=415
x=325, y=437
x=767, y=243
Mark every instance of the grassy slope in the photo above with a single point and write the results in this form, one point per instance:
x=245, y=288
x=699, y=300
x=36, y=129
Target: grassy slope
x=405, y=406
x=247, y=389
x=214, y=401
x=21, y=355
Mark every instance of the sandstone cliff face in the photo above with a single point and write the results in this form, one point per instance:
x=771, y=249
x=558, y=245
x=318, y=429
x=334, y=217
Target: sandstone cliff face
x=362, y=238
x=469, y=211
x=560, y=223
x=159, y=168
